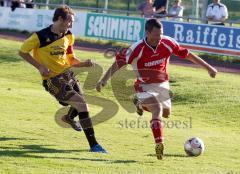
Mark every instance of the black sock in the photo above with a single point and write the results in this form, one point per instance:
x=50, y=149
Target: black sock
x=87, y=126
x=72, y=112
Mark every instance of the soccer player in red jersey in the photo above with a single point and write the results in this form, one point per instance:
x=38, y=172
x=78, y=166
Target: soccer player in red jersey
x=149, y=58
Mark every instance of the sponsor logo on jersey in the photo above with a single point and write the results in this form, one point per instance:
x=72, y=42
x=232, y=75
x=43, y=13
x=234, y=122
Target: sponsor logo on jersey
x=154, y=63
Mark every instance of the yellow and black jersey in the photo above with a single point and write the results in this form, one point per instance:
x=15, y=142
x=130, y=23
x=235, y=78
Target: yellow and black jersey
x=51, y=50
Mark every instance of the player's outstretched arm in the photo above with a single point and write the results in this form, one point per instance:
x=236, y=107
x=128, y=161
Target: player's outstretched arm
x=75, y=62
x=197, y=60
x=112, y=69
x=44, y=71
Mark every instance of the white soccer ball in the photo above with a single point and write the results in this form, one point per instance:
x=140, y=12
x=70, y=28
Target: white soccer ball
x=194, y=146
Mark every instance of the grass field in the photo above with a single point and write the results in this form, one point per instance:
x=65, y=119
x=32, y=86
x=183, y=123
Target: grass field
x=32, y=142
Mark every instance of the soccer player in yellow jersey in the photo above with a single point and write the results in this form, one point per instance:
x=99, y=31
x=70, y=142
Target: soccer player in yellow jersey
x=52, y=55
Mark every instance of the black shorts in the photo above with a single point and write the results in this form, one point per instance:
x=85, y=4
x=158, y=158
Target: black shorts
x=63, y=86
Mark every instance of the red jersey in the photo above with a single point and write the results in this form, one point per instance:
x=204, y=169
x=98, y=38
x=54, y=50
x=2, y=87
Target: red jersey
x=149, y=64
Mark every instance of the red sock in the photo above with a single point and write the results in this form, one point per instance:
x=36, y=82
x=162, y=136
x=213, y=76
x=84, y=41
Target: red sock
x=157, y=129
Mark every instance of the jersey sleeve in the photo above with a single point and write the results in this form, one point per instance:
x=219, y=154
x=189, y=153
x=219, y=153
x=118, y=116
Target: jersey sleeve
x=180, y=11
x=121, y=57
x=225, y=12
x=31, y=43
x=209, y=12
x=70, y=52
x=179, y=51
x=127, y=55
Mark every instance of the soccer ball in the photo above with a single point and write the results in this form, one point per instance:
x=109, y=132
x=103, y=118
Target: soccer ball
x=194, y=146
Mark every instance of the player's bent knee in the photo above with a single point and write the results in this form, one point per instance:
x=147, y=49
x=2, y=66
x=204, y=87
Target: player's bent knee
x=166, y=113
x=78, y=103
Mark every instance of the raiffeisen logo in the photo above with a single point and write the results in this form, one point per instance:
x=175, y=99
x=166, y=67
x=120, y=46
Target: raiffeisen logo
x=222, y=40
x=207, y=36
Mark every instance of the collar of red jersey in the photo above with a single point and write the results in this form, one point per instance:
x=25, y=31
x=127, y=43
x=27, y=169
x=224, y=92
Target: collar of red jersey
x=145, y=41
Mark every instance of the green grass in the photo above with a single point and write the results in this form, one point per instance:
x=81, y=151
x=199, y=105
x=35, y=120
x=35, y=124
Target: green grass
x=32, y=142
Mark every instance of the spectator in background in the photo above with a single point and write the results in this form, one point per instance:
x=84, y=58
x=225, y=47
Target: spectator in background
x=217, y=13
x=5, y=3
x=176, y=10
x=22, y=3
x=161, y=7
x=29, y=4
x=146, y=8
x=17, y=4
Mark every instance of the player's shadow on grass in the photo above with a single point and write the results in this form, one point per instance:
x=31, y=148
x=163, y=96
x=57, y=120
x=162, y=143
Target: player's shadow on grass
x=170, y=155
x=45, y=149
x=30, y=151
x=176, y=155
x=9, y=58
x=8, y=139
x=26, y=150
x=123, y=161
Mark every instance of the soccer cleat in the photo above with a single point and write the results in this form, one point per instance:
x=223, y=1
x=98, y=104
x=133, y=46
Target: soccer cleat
x=98, y=148
x=159, y=151
x=139, y=110
x=74, y=124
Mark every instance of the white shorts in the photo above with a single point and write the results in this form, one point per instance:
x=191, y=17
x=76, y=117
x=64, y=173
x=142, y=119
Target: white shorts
x=161, y=91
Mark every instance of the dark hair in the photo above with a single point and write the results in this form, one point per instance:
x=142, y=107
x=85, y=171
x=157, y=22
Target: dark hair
x=151, y=23
x=62, y=11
